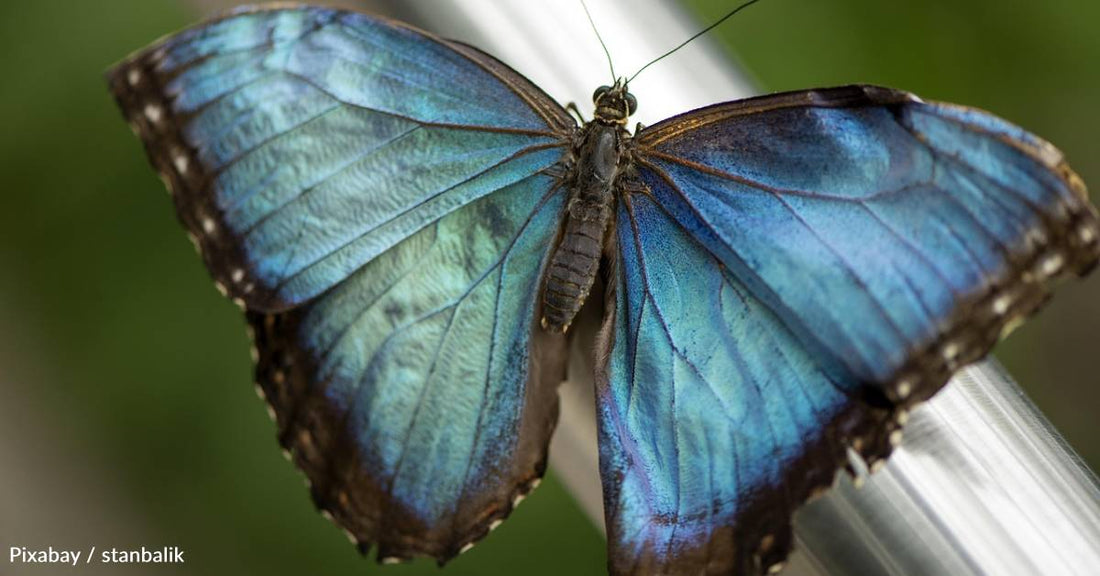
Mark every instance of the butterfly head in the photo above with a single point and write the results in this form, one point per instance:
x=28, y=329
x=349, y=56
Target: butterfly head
x=614, y=104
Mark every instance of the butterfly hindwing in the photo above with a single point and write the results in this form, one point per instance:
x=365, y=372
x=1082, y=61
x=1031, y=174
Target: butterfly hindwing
x=715, y=422
x=800, y=269
x=301, y=143
x=375, y=198
x=414, y=395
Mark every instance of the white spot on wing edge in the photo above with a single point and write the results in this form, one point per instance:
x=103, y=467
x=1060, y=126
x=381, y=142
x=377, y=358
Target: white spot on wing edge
x=1086, y=234
x=1037, y=237
x=904, y=388
x=466, y=548
x=390, y=559
x=950, y=351
x=1051, y=265
x=153, y=113
x=895, y=438
x=180, y=161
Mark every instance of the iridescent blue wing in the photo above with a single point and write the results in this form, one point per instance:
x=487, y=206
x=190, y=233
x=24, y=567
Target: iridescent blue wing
x=301, y=143
x=897, y=238
x=715, y=421
x=419, y=395
x=803, y=268
x=375, y=197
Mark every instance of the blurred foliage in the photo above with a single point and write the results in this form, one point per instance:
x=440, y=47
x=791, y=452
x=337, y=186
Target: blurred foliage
x=149, y=367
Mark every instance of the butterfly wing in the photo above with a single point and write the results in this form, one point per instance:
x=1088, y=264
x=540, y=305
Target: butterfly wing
x=301, y=143
x=419, y=395
x=714, y=420
x=804, y=267
x=896, y=237
x=375, y=198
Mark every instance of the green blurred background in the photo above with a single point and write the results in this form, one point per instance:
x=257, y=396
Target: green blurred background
x=127, y=417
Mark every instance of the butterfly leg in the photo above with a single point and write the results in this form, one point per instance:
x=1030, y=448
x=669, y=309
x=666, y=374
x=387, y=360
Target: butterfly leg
x=629, y=186
x=561, y=170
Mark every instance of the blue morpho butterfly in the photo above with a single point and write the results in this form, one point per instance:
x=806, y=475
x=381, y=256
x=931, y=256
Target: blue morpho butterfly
x=411, y=226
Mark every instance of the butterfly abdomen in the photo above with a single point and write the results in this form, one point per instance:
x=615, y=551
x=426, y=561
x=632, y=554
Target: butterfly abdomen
x=574, y=265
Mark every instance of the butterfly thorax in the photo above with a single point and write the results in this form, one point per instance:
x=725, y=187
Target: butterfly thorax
x=591, y=181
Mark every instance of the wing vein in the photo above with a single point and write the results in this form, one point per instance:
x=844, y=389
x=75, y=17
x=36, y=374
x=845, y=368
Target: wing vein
x=284, y=281
x=350, y=163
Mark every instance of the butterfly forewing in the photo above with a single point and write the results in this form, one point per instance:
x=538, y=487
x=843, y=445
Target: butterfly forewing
x=302, y=143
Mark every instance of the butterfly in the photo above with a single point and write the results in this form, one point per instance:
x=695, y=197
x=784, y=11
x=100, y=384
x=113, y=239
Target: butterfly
x=411, y=228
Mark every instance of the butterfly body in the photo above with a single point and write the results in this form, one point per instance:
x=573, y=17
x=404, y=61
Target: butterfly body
x=410, y=226
x=598, y=162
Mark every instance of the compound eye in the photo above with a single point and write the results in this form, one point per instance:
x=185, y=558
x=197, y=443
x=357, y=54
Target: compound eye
x=600, y=92
x=631, y=104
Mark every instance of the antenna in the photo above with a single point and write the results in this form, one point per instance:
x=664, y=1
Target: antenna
x=600, y=38
x=685, y=42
